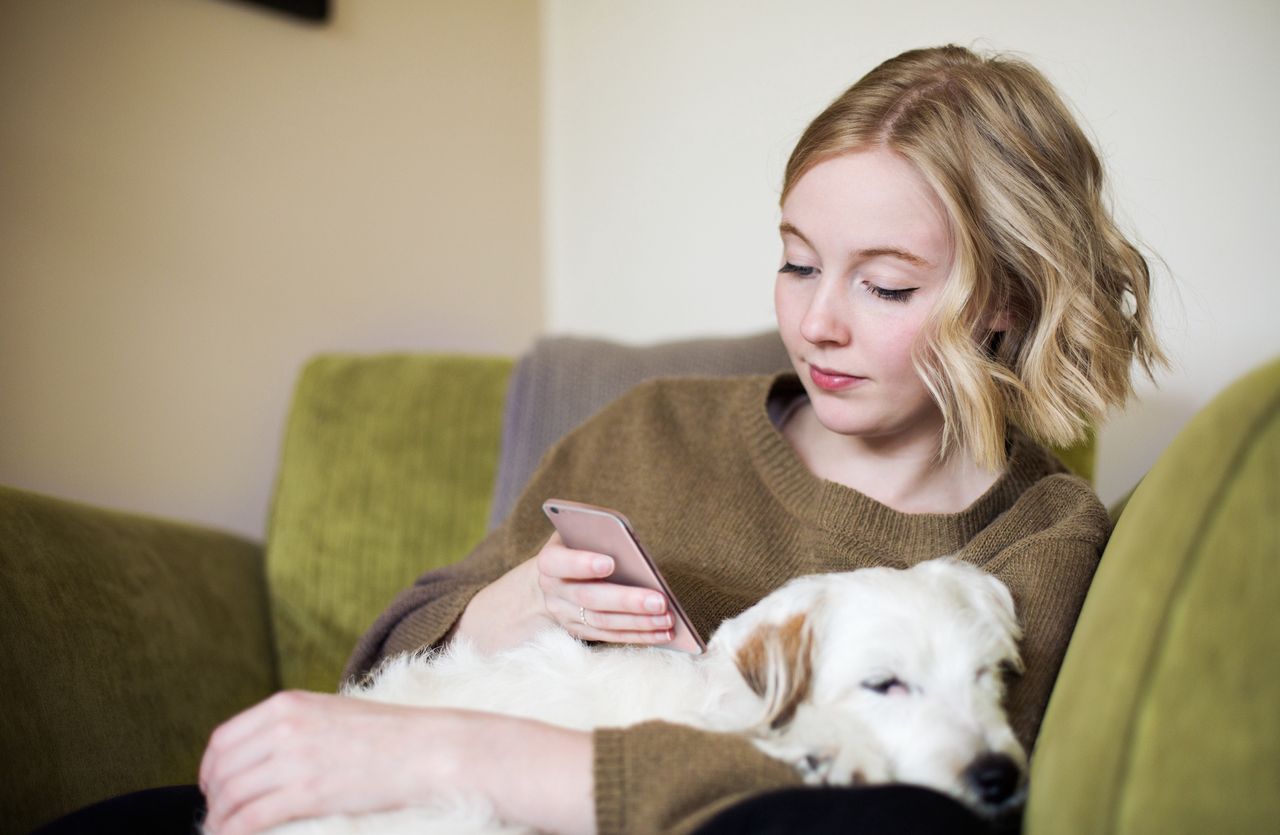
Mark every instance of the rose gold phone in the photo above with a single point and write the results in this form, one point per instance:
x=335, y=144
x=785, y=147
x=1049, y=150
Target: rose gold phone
x=585, y=527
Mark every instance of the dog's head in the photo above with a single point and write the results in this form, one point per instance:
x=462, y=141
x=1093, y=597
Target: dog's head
x=887, y=675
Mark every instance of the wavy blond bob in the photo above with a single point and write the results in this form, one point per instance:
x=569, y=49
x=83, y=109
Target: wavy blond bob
x=1034, y=242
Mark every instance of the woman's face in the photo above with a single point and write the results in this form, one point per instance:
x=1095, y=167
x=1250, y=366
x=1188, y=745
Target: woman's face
x=866, y=250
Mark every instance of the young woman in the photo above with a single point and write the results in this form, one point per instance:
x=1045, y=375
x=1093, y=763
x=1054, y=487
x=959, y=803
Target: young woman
x=953, y=293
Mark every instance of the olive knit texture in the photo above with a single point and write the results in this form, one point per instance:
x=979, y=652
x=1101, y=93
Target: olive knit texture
x=730, y=513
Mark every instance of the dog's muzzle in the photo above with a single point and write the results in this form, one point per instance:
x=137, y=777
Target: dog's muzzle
x=993, y=777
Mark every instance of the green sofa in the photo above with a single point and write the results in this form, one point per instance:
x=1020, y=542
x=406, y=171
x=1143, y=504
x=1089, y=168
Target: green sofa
x=128, y=638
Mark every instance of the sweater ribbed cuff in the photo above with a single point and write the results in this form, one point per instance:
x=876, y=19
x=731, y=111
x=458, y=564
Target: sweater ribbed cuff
x=608, y=762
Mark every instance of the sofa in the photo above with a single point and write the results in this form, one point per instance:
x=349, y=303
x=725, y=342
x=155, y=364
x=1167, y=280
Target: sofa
x=128, y=638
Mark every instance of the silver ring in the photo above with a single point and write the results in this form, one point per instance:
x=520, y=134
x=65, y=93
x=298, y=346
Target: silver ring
x=582, y=616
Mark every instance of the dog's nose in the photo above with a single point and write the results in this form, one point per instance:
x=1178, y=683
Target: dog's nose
x=994, y=777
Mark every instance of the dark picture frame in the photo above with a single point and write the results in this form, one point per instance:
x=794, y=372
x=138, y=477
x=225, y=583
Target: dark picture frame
x=315, y=11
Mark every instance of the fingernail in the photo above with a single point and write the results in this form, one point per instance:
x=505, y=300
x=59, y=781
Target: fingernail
x=602, y=566
x=661, y=620
x=653, y=603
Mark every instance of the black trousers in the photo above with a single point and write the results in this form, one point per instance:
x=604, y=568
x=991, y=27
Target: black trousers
x=873, y=810
x=172, y=810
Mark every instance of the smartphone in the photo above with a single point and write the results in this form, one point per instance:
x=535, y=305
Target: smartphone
x=585, y=527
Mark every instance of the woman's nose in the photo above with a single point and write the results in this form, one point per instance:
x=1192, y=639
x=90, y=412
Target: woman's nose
x=823, y=321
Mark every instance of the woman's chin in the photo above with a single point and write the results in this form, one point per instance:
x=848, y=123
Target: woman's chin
x=878, y=428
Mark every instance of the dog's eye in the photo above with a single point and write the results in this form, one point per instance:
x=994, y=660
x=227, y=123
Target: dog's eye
x=885, y=686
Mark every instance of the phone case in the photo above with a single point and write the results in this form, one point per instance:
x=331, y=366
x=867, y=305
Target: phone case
x=585, y=527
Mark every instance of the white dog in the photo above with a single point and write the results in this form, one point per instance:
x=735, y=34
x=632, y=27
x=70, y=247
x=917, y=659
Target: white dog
x=877, y=675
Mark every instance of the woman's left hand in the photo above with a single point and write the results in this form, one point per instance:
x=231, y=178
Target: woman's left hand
x=300, y=754
x=303, y=755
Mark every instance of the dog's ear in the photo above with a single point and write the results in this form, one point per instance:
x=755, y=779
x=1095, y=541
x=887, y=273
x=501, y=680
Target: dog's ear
x=776, y=660
x=990, y=599
x=997, y=599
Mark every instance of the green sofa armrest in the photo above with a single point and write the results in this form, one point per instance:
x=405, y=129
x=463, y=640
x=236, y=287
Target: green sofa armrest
x=126, y=641
x=1166, y=715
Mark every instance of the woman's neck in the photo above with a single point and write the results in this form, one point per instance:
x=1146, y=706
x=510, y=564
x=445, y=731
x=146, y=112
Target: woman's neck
x=904, y=472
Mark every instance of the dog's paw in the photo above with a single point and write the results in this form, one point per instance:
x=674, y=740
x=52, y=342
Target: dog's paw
x=816, y=768
x=851, y=766
x=827, y=765
x=827, y=748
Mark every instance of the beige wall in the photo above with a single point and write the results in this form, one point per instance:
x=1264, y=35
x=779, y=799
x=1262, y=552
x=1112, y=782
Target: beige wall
x=196, y=196
x=669, y=122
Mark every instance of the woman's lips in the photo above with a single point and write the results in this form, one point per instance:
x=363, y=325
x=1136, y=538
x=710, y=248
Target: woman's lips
x=832, y=380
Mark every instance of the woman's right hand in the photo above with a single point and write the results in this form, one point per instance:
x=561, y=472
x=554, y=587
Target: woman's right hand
x=568, y=588
x=577, y=596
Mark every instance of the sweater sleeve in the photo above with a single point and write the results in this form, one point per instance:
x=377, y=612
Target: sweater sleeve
x=660, y=777
x=1049, y=574
x=423, y=614
x=1048, y=605
x=574, y=468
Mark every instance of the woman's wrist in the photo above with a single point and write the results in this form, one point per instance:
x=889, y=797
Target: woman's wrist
x=548, y=778
x=507, y=612
x=533, y=773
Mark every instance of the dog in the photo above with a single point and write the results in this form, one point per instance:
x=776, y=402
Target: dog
x=870, y=676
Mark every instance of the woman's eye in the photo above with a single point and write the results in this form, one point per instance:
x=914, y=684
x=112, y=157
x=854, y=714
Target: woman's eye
x=891, y=295
x=798, y=270
x=885, y=686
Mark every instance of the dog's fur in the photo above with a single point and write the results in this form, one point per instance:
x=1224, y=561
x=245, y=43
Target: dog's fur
x=876, y=675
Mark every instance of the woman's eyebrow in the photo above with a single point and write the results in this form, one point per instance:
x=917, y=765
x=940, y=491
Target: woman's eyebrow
x=874, y=252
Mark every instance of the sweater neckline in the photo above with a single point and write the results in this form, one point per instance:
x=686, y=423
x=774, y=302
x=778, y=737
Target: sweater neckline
x=854, y=516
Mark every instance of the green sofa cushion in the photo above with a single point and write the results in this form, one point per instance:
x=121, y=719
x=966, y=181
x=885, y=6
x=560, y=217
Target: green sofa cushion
x=387, y=472
x=126, y=641
x=1166, y=715
x=1081, y=458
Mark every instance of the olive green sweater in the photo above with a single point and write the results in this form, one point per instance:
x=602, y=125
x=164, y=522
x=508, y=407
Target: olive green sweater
x=730, y=513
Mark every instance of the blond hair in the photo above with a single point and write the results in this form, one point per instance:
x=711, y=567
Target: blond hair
x=1023, y=189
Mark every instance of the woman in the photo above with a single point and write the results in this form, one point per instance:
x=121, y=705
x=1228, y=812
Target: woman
x=952, y=294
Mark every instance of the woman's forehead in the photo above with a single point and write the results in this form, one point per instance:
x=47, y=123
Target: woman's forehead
x=873, y=199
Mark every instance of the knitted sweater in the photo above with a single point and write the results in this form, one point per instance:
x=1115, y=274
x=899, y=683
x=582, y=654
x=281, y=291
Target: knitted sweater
x=730, y=513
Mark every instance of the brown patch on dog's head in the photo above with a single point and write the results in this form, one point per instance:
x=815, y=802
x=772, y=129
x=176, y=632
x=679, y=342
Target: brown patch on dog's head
x=777, y=662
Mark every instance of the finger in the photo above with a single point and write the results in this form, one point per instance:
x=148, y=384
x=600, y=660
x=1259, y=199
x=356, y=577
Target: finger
x=566, y=613
x=615, y=598
x=237, y=760
x=589, y=633
x=227, y=806
x=248, y=724
x=263, y=812
x=614, y=622
x=563, y=563
x=226, y=737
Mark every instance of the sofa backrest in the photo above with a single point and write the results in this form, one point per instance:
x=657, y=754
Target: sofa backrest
x=1166, y=715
